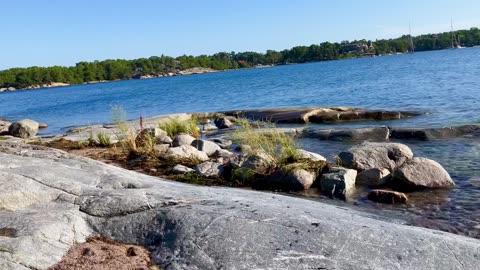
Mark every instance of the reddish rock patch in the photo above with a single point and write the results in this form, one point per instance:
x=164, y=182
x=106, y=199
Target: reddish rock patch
x=387, y=196
x=100, y=253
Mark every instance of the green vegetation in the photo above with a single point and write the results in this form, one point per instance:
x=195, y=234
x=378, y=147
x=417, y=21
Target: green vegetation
x=174, y=126
x=278, y=145
x=160, y=65
x=103, y=139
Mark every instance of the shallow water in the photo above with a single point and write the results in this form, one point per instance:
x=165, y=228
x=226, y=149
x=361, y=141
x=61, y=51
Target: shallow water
x=444, y=85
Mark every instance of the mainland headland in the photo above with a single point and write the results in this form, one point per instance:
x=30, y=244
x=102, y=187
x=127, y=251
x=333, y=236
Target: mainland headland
x=166, y=66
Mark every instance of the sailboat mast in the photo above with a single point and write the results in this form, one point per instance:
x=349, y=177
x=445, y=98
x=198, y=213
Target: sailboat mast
x=412, y=49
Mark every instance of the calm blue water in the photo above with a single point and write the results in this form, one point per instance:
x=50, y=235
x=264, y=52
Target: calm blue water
x=445, y=84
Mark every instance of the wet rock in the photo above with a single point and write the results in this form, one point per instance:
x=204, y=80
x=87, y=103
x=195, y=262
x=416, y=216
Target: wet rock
x=373, y=177
x=304, y=154
x=338, y=182
x=209, y=169
x=180, y=169
x=371, y=155
x=223, y=123
x=354, y=134
x=420, y=173
x=187, y=152
x=425, y=134
x=182, y=139
x=25, y=128
x=206, y=146
x=223, y=143
x=387, y=196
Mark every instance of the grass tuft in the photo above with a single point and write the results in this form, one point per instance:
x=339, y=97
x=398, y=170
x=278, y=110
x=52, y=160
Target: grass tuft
x=174, y=126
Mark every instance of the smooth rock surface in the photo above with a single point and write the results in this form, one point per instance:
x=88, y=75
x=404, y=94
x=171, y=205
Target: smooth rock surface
x=379, y=134
x=420, y=173
x=197, y=227
x=370, y=155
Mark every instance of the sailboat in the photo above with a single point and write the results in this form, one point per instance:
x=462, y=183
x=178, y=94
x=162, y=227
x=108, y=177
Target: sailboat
x=455, y=39
x=411, y=48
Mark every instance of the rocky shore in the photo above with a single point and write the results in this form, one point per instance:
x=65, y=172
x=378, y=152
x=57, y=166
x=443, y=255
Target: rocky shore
x=194, y=227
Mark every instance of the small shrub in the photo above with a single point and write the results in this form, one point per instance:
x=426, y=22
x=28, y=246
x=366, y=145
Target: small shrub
x=174, y=126
x=103, y=139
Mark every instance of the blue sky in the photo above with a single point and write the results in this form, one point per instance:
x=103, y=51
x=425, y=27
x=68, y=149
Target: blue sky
x=61, y=32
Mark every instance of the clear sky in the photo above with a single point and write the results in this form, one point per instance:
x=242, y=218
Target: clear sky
x=64, y=32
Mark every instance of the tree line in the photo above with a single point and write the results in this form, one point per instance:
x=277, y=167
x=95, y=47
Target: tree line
x=120, y=69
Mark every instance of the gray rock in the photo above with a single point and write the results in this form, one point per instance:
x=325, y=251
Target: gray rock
x=260, y=162
x=370, y=155
x=209, y=127
x=420, y=173
x=197, y=227
x=338, y=182
x=294, y=180
x=4, y=125
x=373, y=177
x=223, y=123
x=187, y=152
x=164, y=140
x=206, y=146
x=387, y=196
x=25, y=128
x=161, y=148
x=182, y=139
x=425, y=134
x=353, y=134
x=223, y=143
x=209, y=169
x=304, y=154
x=153, y=132
x=180, y=169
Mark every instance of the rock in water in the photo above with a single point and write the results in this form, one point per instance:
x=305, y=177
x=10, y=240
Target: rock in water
x=338, y=182
x=25, y=128
x=387, y=196
x=206, y=146
x=369, y=155
x=223, y=122
x=420, y=173
x=373, y=177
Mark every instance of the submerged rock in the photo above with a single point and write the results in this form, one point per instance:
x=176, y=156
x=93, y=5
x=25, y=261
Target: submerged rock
x=387, y=196
x=420, y=173
x=25, y=128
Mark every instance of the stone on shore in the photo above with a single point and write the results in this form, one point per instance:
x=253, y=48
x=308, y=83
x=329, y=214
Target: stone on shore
x=4, y=125
x=181, y=169
x=370, y=155
x=223, y=143
x=187, y=152
x=25, y=128
x=209, y=169
x=206, y=146
x=196, y=227
x=183, y=139
x=387, y=196
x=420, y=173
x=338, y=182
x=292, y=180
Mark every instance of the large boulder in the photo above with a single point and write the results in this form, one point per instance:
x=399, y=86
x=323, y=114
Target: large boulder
x=209, y=169
x=223, y=122
x=420, y=173
x=338, y=182
x=296, y=179
x=260, y=162
x=25, y=128
x=387, y=196
x=187, y=152
x=183, y=139
x=370, y=155
x=206, y=146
